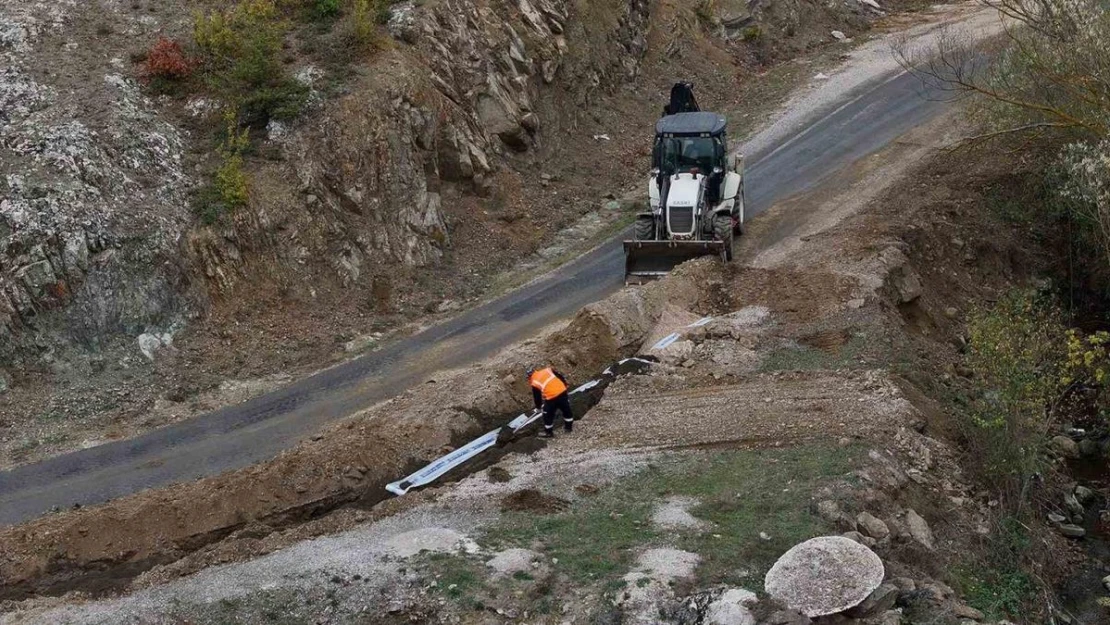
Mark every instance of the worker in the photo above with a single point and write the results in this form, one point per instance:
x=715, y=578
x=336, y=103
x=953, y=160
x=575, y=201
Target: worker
x=549, y=392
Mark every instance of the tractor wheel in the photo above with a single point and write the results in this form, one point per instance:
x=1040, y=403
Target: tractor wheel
x=722, y=229
x=644, y=229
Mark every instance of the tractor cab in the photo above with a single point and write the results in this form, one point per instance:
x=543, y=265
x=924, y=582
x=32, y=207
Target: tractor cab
x=693, y=143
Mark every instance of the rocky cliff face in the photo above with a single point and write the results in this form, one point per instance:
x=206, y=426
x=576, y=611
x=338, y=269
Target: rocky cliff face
x=361, y=186
x=92, y=186
x=410, y=166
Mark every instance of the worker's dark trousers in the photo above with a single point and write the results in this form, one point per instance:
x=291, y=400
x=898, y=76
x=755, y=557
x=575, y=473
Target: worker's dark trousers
x=562, y=404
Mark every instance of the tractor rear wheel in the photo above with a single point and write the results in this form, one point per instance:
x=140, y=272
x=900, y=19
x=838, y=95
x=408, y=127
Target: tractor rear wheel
x=722, y=229
x=644, y=229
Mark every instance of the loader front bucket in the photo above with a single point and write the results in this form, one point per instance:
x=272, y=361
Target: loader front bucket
x=648, y=260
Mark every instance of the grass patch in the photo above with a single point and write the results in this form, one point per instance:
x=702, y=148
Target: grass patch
x=997, y=593
x=806, y=358
x=457, y=577
x=995, y=581
x=743, y=493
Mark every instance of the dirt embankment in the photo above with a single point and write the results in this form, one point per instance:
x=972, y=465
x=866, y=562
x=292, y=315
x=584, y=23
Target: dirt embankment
x=99, y=548
x=837, y=344
x=416, y=176
x=802, y=353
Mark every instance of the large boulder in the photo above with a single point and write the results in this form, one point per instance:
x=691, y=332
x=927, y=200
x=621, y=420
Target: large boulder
x=824, y=575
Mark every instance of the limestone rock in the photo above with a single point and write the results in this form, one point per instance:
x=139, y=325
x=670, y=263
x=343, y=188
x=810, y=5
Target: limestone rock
x=824, y=575
x=1084, y=495
x=878, y=602
x=871, y=526
x=149, y=345
x=1065, y=446
x=919, y=529
x=1071, y=531
x=512, y=561
x=732, y=608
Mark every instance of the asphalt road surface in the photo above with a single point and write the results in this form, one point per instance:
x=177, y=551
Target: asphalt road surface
x=863, y=122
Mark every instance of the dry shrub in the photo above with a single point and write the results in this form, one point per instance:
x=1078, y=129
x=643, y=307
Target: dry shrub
x=166, y=60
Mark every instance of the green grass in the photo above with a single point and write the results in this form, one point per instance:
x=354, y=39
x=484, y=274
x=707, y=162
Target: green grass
x=997, y=592
x=742, y=492
x=805, y=358
x=456, y=576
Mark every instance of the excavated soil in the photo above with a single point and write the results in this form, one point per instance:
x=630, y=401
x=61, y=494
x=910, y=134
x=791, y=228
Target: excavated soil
x=532, y=500
x=850, y=281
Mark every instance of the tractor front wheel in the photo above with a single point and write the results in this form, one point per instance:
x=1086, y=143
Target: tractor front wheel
x=644, y=229
x=722, y=229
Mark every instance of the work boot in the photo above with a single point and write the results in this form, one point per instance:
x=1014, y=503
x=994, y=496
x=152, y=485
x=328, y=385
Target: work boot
x=568, y=426
x=547, y=433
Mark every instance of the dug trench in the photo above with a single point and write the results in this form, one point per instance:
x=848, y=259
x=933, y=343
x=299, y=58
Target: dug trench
x=102, y=549
x=180, y=529
x=882, y=287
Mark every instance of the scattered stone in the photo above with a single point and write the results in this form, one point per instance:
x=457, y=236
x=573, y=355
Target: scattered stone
x=856, y=303
x=871, y=526
x=1106, y=582
x=824, y=575
x=1084, y=495
x=839, y=36
x=882, y=599
x=648, y=585
x=891, y=617
x=149, y=344
x=829, y=510
x=1071, y=531
x=1074, y=507
x=1056, y=518
x=1065, y=446
x=919, y=529
x=951, y=312
x=731, y=608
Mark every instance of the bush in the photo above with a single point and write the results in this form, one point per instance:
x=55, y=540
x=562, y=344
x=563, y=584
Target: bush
x=1017, y=351
x=166, y=60
x=242, y=48
x=230, y=187
x=324, y=9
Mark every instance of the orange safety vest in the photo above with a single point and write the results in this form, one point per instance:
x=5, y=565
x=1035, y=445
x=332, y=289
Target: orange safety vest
x=549, y=385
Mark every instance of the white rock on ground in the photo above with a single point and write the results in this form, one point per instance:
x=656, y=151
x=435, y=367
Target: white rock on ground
x=674, y=514
x=512, y=561
x=649, y=583
x=732, y=608
x=824, y=575
x=430, y=539
x=919, y=529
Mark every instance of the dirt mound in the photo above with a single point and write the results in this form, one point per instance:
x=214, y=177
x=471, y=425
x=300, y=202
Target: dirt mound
x=532, y=500
x=498, y=475
x=827, y=340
